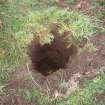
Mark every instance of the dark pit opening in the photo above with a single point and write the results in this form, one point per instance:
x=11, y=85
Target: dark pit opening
x=49, y=58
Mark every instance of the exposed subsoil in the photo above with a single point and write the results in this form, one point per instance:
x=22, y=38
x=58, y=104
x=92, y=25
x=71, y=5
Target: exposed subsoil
x=49, y=58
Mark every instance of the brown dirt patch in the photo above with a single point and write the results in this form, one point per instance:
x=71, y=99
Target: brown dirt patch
x=13, y=100
x=100, y=97
x=18, y=79
x=82, y=5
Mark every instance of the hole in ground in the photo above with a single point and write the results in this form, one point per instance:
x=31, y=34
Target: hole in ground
x=49, y=58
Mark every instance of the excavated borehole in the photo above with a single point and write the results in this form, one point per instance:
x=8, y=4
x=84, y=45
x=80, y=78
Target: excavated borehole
x=49, y=58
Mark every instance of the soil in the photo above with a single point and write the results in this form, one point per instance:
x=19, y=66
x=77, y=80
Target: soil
x=100, y=97
x=85, y=64
x=12, y=99
x=49, y=58
x=63, y=81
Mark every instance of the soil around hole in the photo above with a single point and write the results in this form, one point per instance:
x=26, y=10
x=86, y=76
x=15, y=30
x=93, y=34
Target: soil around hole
x=49, y=58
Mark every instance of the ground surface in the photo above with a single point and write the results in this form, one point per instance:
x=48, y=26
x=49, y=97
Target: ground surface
x=62, y=83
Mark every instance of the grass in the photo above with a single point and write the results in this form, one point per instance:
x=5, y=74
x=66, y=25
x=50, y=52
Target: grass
x=34, y=96
x=15, y=35
x=82, y=96
x=10, y=52
x=86, y=96
x=41, y=23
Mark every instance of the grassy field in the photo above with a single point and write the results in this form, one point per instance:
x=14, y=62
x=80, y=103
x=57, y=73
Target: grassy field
x=23, y=20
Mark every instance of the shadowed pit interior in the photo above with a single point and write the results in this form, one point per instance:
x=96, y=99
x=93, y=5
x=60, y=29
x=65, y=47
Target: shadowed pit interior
x=49, y=58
